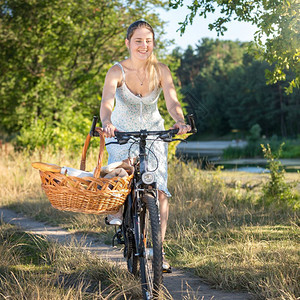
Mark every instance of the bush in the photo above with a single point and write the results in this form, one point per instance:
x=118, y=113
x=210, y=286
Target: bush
x=253, y=148
x=255, y=132
x=277, y=191
x=69, y=134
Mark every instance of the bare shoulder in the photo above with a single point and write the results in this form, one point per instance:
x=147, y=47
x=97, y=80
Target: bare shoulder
x=164, y=69
x=165, y=75
x=114, y=74
x=115, y=70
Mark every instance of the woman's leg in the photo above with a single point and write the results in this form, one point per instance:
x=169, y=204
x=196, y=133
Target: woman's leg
x=164, y=212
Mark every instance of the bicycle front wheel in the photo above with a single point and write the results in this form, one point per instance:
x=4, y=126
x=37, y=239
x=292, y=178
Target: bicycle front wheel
x=151, y=249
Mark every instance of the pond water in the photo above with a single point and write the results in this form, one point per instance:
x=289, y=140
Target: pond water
x=248, y=169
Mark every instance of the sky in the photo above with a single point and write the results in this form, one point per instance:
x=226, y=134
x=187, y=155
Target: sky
x=241, y=31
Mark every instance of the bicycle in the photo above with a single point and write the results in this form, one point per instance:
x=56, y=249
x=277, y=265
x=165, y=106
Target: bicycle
x=140, y=231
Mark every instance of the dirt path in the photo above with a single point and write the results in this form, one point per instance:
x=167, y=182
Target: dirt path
x=179, y=284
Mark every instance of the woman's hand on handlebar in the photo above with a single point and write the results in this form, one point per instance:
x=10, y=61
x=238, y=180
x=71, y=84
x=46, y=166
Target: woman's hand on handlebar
x=109, y=130
x=182, y=127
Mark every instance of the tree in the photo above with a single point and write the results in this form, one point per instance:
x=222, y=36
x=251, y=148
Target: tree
x=225, y=89
x=53, y=59
x=204, y=74
x=277, y=20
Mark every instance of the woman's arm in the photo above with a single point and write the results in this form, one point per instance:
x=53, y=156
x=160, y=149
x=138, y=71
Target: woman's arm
x=112, y=79
x=173, y=105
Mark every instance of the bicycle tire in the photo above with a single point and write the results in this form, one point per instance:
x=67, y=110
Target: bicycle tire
x=151, y=265
x=130, y=247
x=132, y=259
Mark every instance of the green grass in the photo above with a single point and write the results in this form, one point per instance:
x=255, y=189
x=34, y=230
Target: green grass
x=218, y=227
x=261, y=259
x=291, y=149
x=219, y=230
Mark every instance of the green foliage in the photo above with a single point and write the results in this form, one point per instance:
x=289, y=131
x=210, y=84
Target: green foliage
x=250, y=150
x=225, y=89
x=277, y=22
x=254, y=131
x=277, y=191
x=253, y=149
x=203, y=75
x=173, y=63
x=68, y=135
x=53, y=60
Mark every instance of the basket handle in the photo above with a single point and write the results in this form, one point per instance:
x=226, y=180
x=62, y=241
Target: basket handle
x=101, y=151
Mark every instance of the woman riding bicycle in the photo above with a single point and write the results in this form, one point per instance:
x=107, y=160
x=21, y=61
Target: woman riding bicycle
x=136, y=84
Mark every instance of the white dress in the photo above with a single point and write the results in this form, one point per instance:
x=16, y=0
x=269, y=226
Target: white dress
x=133, y=113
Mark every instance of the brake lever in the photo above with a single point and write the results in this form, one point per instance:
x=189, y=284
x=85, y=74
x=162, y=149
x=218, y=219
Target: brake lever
x=123, y=140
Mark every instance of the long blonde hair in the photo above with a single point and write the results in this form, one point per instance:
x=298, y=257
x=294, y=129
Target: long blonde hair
x=152, y=66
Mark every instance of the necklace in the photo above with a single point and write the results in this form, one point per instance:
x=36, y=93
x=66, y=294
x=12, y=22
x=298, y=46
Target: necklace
x=141, y=81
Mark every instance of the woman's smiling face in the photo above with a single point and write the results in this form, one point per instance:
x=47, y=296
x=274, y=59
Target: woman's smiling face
x=141, y=43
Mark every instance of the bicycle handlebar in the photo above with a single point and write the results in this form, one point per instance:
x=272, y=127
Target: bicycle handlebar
x=192, y=123
x=164, y=134
x=140, y=133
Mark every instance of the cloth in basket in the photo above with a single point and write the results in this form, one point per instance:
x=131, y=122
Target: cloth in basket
x=92, y=195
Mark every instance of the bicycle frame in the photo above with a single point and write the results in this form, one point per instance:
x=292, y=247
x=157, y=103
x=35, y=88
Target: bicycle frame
x=137, y=226
x=139, y=189
x=141, y=204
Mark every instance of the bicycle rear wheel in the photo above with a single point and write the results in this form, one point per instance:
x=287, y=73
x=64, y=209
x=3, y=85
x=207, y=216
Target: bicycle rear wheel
x=151, y=249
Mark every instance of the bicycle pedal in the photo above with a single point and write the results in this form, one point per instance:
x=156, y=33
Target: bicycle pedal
x=118, y=235
x=169, y=270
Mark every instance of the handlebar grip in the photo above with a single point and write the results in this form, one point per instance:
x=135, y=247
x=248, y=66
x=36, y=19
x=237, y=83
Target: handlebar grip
x=118, y=134
x=174, y=131
x=95, y=120
x=192, y=123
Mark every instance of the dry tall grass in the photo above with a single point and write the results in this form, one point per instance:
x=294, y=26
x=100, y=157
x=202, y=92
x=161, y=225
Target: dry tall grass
x=216, y=228
x=220, y=231
x=32, y=268
x=20, y=188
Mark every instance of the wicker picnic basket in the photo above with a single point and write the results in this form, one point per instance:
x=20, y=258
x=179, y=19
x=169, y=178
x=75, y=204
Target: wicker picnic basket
x=92, y=195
